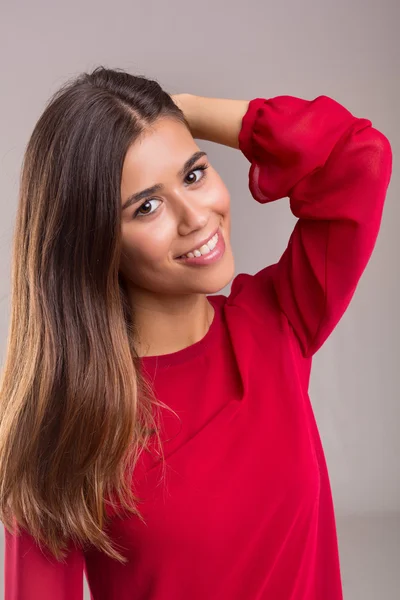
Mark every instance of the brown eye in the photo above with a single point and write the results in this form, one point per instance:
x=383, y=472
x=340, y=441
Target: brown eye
x=202, y=169
x=191, y=175
x=147, y=208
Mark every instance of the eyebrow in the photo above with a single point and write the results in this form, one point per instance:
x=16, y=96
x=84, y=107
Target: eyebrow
x=134, y=198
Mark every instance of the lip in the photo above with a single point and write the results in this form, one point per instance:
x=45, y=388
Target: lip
x=206, y=259
x=204, y=241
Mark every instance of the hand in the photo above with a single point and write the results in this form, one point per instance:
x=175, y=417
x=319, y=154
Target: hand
x=217, y=120
x=187, y=104
x=178, y=99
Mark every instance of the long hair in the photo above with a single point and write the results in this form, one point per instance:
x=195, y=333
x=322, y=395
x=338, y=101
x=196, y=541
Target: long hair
x=75, y=410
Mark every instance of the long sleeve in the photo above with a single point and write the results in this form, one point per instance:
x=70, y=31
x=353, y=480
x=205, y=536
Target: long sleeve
x=29, y=574
x=335, y=169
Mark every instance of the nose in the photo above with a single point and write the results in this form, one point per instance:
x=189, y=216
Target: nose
x=192, y=215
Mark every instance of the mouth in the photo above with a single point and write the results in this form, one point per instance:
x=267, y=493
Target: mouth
x=204, y=247
x=209, y=252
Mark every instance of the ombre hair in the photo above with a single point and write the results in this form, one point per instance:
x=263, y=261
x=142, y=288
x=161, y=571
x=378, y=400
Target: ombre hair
x=75, y=410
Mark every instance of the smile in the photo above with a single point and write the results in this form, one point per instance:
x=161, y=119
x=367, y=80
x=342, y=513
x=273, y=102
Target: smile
x=204, y=249
x=207, y=253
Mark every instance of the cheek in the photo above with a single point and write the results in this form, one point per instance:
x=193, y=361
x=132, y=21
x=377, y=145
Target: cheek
x=148, y=248
x=220, y=197
x=138, y=261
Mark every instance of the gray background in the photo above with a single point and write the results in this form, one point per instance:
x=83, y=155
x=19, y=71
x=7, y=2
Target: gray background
x=347, y=50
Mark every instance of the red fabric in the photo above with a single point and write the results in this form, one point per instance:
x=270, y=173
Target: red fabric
x=246, y=512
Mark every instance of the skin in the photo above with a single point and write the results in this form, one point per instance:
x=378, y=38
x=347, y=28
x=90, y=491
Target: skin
x=168, y=297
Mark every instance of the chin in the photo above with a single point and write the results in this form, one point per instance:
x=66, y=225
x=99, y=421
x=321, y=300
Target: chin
x=216, y=282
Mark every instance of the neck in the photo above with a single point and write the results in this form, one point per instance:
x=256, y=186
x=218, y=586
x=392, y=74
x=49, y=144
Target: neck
x=166, y=324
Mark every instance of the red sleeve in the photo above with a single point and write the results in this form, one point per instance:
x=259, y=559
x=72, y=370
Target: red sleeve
x=335, y=169
x=29, y=574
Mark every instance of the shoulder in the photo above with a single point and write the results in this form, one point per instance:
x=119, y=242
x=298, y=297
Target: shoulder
x=254, y=293
x=248, y=291
x=253, y=304
x=258, y=328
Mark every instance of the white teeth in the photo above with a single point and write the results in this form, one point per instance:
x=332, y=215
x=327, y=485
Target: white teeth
x=205, y=249
x=213, y=242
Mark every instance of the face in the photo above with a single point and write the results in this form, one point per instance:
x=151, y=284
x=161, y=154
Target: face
x=182, y=214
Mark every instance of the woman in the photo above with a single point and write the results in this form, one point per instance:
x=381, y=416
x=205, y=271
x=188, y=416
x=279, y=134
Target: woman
x=157, y=436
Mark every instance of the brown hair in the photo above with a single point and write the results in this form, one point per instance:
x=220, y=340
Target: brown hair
x=75, y=410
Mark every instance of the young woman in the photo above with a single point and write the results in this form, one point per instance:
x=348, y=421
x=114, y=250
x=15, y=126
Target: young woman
x=159, y=437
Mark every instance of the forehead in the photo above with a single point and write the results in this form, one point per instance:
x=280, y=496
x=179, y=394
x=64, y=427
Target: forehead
x=158, y=154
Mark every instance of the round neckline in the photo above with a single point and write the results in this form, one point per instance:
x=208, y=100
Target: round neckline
x=180, y=356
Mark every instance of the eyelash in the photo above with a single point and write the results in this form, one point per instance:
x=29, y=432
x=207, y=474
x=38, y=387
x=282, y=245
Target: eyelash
x=203, y=167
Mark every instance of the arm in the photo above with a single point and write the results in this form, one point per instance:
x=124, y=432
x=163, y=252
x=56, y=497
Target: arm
x=335, y=169
x=29, y=574
x=217, y=120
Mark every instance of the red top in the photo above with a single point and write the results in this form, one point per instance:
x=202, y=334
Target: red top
x=247, y=513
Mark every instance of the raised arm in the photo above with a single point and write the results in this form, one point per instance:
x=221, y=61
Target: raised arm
x=335, y=169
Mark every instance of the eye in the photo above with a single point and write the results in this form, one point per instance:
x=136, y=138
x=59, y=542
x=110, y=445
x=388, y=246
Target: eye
x=147, y=206
x=202, y=169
